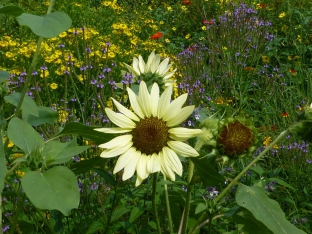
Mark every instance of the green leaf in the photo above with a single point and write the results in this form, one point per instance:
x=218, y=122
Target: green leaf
x=136, y=213
x=118, y=212
x=28, y=104
x=206, y=171
x=11, y=10
x=282, y=182
x=4, y=75
x=257, y=169
x=95, y=227
x=200, y=208
x=152, y=224
x=250, y=224
x=23, y=135
x=55, y=189
x=56, y=152
x=104, y=174
x=87, y=132
x=45, y=115
x=86, y=165
x=48, y=26
x=264, y=209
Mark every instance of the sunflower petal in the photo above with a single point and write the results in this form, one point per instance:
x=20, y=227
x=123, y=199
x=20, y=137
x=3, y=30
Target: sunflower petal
x=141, y=64
x=167, y=171
x=113, y=130
x=119, y=119
x=182, y=149
x=161, y=70
x=164, y=102
x=175, y=107
x=109, y=153
x=150, y=60
x=153, y=164
x=154, y=99
x=155, y=63
x=144, y=99
x=182, y=134
x=172, y=160
x=141, y=167
x=179, y=115
x=134, y=103
x=130, y=167
x=125, y=111
x=119, y=141
x=124, y=159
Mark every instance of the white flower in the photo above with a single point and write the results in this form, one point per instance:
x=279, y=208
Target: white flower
x=153, y=142
x=150, y=72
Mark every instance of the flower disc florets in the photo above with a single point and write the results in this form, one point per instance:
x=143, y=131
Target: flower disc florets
x=235, y=139
x=150, y=135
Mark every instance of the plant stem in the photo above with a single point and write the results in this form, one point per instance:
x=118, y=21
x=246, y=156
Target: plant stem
x=168, y=208
x=155, y=176
x=235, y=181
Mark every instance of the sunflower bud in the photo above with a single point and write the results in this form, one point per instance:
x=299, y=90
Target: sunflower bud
x=304, y=128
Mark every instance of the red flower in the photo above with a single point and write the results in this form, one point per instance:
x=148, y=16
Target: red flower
x=262, y=5
x=210, y=22
x=284, y=114
x=293, y=71
x=156, y=35
x=186, y=2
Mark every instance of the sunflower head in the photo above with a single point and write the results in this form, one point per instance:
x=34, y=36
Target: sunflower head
x=304, y=125
x=151, y=139
x=236, y=137
x=152, y=71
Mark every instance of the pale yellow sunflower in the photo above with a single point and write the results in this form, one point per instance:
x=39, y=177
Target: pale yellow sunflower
x=152, y=71
x=153, y=142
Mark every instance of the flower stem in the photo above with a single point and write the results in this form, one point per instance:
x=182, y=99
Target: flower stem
x=155, y=176
x=168, y=208
x=235, y=181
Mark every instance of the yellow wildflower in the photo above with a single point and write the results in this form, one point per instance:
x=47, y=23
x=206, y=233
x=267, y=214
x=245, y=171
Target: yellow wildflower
x=283, y=14
x=53, y=86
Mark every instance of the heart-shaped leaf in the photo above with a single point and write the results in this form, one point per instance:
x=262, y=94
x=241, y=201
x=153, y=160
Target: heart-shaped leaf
x=55, y=189
x=48, y=26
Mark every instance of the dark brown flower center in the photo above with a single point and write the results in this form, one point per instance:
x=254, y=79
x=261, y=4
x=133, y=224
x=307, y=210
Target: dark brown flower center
x=235, y=139
x=150, y=135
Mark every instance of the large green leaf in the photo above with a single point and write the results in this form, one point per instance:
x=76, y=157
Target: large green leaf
x=48, y=26
x=28, y=104
x=265, y=209
x=11, y=10
x=55, y=189
x=87, y=132
x=23, y=135
x=45, y=115
x=86, y=165
x=56, y=152
x=207, y=173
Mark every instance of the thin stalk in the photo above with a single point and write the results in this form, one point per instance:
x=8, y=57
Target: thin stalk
x=155, y=176
x=235, y=181
x=184, y=220
x=168, y=208
x=112, y=210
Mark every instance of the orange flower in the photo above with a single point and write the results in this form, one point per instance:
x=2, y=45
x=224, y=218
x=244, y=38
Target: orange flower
x=284, y=114
x=186, y=2
x=156, y=35
x=262, y=5
x=210, y=22
x=293, y=71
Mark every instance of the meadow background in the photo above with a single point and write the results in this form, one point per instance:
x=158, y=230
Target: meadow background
x=248, y=58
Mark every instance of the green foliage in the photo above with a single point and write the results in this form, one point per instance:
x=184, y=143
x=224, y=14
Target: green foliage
x=48, y=26
x=11, y=10
x=264, y=209
x=55, y=188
